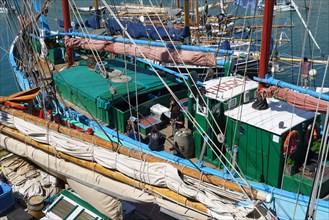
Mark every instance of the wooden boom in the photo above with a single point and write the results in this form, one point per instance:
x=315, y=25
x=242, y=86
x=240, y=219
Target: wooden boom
x=252, y=193
x=107, y=172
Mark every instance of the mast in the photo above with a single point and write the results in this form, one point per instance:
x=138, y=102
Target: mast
x=186, y=13
x=96, y=4
x=187, y=19
x=67, y=24
x=97, y=13
x=197, y=19
x=178, y=3
x=261, y=103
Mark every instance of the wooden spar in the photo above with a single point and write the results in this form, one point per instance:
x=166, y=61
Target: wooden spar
x=186, y=13
x=325, y=62
x=266, y=37
x=246, y=17
x=96, y=4
x=197, y=17
x=67, y=24
x=252, y=193
x=259, y=26
x=22, y=96
x=257, y=40
x=107, y=172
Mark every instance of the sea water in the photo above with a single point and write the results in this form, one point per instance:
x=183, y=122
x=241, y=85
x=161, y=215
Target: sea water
x=318, y=24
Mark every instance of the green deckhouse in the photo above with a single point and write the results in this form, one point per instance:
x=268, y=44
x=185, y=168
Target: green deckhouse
x=91, y=92
x=254, y=139
x=221, y=95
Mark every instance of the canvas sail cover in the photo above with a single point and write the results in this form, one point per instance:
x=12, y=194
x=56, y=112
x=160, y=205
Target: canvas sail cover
x=139, y=30
x=158, y=174
x=160, y=54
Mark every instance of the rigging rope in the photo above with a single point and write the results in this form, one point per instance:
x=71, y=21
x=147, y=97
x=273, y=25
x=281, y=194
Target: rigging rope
x=109, y=9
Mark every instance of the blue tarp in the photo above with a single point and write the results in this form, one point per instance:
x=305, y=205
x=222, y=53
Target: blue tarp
x=92, y=22
x=139, y=30
x=225, y=45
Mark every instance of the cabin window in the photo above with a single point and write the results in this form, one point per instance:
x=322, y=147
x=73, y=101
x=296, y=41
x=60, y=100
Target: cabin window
x=231, y=103
x=63, y=208
x=201, y=107
x=246, y=96
x=84, y=216
x=241, y=130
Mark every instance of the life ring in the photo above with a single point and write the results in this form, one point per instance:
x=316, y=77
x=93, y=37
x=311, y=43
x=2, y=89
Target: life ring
x=291, y=142
x=315, y=135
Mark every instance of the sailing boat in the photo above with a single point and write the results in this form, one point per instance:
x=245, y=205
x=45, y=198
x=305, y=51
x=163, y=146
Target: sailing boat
x=6, y=8
x=280, y=5
x=220, y=169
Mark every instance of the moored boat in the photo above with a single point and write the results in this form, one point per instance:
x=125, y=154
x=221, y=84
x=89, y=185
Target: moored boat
x=235, y=145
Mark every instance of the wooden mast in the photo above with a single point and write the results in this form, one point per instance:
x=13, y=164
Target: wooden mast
x=67, y=24
x=178, y=3
x=96, y=4
x=252, y=193
x=186, y=13
x=266, y=38
x=197, y=19
x=261, y=103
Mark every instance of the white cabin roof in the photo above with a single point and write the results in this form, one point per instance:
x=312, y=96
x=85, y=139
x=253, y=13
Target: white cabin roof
x=224, y=88
x=269, y=119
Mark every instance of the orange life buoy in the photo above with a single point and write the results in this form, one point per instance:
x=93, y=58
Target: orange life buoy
x=291, y=142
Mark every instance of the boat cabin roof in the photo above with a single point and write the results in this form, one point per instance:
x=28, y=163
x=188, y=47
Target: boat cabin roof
x=94, y=86
x=278, y=111
x=225, y=88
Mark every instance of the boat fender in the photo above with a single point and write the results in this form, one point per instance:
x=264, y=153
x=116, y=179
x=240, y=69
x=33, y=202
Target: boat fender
x=291, y=142
x=90, y=131
x=308, y=131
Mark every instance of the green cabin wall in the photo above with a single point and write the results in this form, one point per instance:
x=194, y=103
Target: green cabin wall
x=260, y=154
x=217, y=108
x=259, y=157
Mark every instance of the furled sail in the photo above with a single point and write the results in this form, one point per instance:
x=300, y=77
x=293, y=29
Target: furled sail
x=151, y=52
x=296, y=99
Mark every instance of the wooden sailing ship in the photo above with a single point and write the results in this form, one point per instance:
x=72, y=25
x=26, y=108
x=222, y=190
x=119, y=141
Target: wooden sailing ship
x=239, y=153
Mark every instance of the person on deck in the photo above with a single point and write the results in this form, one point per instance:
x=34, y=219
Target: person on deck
x=156, y=140
x=208, y=31
x=179, y=18
x=135, y=135
x=305, y=69
x=222, y=21
x=133, y=131
x=176, y=117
